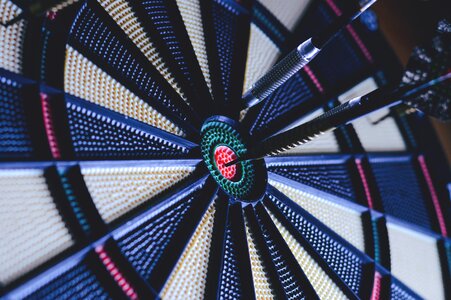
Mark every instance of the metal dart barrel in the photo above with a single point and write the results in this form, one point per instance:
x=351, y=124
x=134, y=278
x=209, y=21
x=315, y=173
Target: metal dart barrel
x=299, y=58
x=280, y=73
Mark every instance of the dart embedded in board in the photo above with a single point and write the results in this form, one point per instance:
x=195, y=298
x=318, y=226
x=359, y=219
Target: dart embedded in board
x=425, y=85
x=301, y=56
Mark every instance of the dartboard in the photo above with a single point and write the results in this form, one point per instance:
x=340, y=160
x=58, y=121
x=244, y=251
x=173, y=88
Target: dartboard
x=117, y=119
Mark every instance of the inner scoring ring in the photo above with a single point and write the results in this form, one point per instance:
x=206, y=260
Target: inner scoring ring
x=223, y=155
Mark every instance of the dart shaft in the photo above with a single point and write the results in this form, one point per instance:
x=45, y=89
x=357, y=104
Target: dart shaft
x=330, y=120
x=336, y=117
x=306, y=132
x=298, y=58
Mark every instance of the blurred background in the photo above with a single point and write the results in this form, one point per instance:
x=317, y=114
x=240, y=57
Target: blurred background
x=405, y=23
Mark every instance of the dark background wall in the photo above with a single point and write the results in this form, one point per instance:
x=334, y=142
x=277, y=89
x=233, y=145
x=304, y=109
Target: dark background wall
x=405, y=23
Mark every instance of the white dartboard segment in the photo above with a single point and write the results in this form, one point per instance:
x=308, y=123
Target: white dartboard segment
x=415, y=259
x=190, y=11
x=84, y=79
x=32, y=229
x=342, y=216
x=118, y=190
x=262, y=285
x=288, y=12
x=123, y=15
x=189, y=277
x=321, y=282
x=11, y=37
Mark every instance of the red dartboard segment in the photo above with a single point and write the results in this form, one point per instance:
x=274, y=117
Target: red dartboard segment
x=223, y=155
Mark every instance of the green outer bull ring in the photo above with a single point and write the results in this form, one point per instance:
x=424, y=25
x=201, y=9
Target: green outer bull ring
x=221, y=131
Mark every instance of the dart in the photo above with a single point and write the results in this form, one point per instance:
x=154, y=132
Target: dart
x=300, y=57
x=339, y=116
x=421, y=88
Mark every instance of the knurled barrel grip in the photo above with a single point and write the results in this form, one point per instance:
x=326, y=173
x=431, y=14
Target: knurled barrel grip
x=281, y=72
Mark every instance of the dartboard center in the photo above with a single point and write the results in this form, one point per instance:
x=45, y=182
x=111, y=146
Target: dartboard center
x=222, y=142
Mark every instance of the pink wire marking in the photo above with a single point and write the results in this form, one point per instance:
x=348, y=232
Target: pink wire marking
x=314, y=79
x=364, y=182
x=360, y=43
x=376, y=293
x=49, y=126
x=334, y=7
x=115, y=273
x=433, y=193
x=51, y=15
x=352, y=32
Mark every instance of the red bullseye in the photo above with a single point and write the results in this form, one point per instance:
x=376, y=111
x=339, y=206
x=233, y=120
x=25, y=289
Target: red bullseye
x=223, y=155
